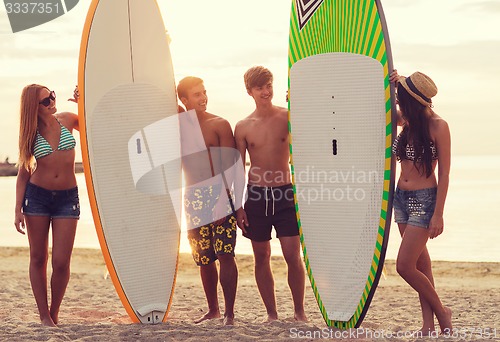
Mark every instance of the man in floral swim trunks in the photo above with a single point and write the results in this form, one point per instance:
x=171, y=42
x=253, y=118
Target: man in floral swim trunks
x=210, y=240
x=210, y=223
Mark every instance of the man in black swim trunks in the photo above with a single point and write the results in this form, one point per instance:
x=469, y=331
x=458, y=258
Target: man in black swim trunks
x=264, y=134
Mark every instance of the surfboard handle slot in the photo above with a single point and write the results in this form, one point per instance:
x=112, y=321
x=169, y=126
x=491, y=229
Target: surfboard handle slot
x=139, y=150
x=153, y=318
x=334, y=147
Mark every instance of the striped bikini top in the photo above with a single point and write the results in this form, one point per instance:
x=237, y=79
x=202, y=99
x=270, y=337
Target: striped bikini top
x=42, y=147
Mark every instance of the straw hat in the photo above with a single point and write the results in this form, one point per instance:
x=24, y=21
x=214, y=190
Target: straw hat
x=420, y=86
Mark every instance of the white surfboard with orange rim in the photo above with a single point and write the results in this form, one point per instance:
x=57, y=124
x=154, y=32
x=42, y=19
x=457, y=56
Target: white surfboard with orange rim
x=132, y=164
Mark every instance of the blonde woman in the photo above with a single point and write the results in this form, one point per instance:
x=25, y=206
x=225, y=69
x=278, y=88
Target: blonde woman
x=419, y=199
x=47, y=194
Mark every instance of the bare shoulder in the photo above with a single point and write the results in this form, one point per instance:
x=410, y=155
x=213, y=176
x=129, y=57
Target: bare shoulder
x=282, y=112
x=220, y=125
x=440, y=132
x=68, y=119
x=438, y=125
x=218, y=121
x=240, y=128
x=66, y=116
x=243, y=124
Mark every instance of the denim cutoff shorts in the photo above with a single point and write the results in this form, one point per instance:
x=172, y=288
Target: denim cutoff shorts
x=414, y=207
x=52, y=203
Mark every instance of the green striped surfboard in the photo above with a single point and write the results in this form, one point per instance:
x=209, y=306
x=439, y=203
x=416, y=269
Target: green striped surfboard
x=340, y=120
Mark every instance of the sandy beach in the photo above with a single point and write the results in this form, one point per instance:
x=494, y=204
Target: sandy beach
x=92, y=311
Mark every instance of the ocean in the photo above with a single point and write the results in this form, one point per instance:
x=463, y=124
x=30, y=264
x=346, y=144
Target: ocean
x=470, y=234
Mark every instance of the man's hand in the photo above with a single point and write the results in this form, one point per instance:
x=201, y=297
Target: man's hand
x=242, y=220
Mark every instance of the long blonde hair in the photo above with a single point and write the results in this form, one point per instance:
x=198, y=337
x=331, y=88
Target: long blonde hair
x=28, y=125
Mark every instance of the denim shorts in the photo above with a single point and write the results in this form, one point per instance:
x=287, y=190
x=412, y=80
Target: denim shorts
x=52, y=203
x=414, y=207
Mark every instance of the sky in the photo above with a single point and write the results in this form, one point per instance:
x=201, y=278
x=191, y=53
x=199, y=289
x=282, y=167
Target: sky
x=455, y=42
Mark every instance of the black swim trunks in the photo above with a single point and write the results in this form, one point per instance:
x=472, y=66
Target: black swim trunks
x=267, y=207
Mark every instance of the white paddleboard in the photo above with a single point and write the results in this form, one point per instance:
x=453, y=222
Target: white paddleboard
x=131, y=151
x=341, y=127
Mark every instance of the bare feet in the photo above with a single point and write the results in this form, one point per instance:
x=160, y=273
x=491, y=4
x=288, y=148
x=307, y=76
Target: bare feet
x=55, y=317
x=445, y=320
x=208, y=315
x=228, y=320
x=300, y=316
x=271, y=318
x=48, y=322
x=426, y=332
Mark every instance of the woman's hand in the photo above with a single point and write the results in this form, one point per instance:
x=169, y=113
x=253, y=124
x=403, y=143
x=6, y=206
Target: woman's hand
x=436, y=226
x=76, y=95
x=19, y=222
x=394, y=76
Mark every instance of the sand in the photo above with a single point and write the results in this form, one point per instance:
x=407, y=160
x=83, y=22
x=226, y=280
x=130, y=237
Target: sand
x=91, y=310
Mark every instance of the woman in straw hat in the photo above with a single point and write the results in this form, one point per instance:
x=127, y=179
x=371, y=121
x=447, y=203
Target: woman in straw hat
x=47, y=194
x=419, y=199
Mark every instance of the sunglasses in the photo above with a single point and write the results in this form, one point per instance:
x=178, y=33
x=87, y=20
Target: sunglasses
x=46, y=101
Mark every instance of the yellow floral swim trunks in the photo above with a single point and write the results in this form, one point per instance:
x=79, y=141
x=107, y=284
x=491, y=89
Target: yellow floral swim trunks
x=208, y=240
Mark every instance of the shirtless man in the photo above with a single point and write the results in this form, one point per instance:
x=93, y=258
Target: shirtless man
x=264, y=134
x=215, y=239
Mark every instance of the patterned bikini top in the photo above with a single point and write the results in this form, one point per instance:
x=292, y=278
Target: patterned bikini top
x=42, y=148
x=410, y=150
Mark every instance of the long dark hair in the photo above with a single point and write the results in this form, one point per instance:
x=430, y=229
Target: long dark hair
x=415, y=132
